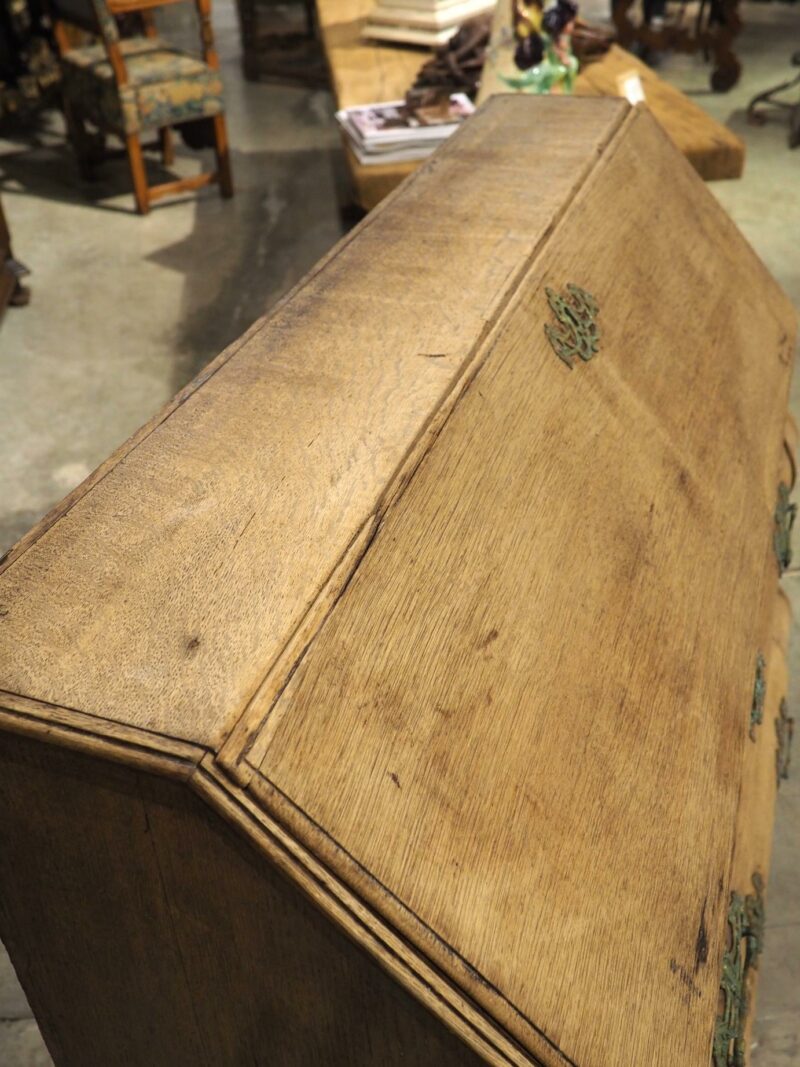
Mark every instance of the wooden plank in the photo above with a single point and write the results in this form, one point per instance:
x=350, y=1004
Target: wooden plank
x=364, y=72
x=515, y=737
x=161, y=596
x=80, y=900
x=755, y=816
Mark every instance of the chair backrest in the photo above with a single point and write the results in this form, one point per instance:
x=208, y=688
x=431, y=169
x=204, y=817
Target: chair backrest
x=91, y=15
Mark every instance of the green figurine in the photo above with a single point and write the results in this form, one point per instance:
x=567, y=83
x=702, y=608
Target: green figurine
x=543, y=47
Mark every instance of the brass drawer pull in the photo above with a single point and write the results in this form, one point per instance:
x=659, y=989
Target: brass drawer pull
x=784, y=520
x=784, y=728
x=746, y=922
x=759, y=694
x=577, y=332
x=790, y=456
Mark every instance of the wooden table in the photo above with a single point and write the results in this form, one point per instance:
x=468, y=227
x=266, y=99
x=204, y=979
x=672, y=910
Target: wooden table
x=362, y=73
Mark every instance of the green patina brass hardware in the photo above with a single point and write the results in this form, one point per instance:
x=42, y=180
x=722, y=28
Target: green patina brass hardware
x=759, y=693
x=784, y=728
x=730, y=1021
x=784, y=521
x=577, y=333
x=746, y=923
x=754, y=917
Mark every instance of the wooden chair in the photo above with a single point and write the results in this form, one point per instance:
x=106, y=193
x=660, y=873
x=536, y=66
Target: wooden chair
x=757, y=109
x=128, y=86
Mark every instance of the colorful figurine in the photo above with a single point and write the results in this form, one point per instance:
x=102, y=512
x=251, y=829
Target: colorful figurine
x=542, y=47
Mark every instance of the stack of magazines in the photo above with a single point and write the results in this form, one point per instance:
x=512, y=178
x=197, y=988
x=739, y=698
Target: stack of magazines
x=423, y=22
x=394, y=132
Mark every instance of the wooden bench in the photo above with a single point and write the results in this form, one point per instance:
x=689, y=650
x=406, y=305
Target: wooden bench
x=364, y=73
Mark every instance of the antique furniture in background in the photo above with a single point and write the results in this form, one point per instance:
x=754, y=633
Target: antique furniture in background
x=279, y=40
x=131, y=86
x=409, y=691
x=758, y=107
x=711, y=30
x=29, y=73
x=363, y=72
x=12, y=291
x=714, y=151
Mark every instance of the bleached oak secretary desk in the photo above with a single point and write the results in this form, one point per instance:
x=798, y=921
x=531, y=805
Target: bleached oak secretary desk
x=410, y=690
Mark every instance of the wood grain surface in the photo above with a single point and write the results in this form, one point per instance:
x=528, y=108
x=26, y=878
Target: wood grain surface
x=514, y=690
x=388, y=945
x=161, y=598
x=363, y=71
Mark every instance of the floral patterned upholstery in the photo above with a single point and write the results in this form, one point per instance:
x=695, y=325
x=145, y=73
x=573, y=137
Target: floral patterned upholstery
x=165, y=86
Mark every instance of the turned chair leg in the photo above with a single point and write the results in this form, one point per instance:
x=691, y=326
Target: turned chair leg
x=79, y=139
x=167, y=146
x=223, y=156
x=138, y=173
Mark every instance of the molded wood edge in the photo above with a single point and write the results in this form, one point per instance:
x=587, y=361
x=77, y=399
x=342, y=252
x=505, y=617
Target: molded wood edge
x=374, y=899
x=98, y=737
x=391, y=951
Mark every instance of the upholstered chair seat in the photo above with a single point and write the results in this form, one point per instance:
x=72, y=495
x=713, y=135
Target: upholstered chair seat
x=165, y=86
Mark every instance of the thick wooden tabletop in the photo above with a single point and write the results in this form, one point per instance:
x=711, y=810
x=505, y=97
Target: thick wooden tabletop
x=363, y=72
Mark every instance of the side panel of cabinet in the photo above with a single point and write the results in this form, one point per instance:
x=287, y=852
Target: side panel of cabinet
x=760, y=779
x=145, y=932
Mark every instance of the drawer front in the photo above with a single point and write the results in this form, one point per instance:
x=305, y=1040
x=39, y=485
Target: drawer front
x=766, y=762
x=767, y=758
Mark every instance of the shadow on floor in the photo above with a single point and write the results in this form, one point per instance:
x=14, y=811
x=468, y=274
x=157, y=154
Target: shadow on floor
x=243, y=255
x=15, y=524
x=45, y=167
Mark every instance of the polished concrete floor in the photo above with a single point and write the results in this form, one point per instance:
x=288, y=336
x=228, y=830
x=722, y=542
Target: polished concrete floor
x=125, y=310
